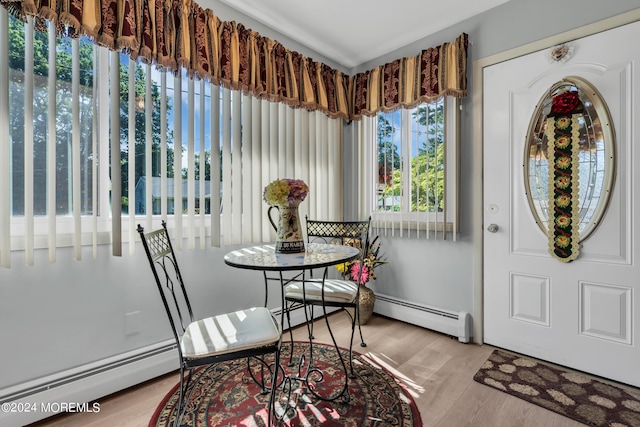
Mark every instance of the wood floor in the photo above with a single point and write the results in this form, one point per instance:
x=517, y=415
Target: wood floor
x=436, y=368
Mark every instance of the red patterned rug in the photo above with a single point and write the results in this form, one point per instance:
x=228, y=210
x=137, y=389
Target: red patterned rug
x=227, y=396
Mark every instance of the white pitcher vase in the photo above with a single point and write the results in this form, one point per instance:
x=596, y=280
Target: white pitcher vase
x=289, y=233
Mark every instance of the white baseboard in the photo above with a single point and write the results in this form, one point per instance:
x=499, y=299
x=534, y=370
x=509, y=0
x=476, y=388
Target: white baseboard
x=41, y=398
x=457, y=324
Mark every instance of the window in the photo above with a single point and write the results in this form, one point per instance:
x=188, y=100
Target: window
x=100, y=142
x=411, y=170
x=595, y=161
x=29, y=96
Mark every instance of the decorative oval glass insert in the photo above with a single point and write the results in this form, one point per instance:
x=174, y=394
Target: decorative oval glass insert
x=596, y=156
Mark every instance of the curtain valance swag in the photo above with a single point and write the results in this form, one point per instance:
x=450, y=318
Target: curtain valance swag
x=407, y=82
x=175, y=34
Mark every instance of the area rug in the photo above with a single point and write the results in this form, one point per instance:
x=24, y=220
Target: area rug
x=227, y=396
x=574, y=395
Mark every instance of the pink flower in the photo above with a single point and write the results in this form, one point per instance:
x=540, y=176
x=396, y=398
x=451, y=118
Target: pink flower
x=285, y=192
x=355, y=273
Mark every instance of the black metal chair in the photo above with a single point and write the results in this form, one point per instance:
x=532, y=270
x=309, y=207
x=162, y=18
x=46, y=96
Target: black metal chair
x=325, y=292
x=251, y=333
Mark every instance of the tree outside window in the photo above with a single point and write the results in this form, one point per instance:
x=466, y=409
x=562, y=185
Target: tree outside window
x=411, y=159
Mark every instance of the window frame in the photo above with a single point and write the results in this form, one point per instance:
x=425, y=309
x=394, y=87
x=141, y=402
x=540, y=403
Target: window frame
x=64, y=223
x=446, y=221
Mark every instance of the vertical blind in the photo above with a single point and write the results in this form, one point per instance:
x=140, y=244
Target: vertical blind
x=269, y=141
x=408, y=170
x=191, y=152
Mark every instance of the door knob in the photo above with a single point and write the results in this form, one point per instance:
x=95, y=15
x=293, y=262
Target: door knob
x=492, y=228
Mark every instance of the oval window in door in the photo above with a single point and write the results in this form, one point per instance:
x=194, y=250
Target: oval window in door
x=596, y=156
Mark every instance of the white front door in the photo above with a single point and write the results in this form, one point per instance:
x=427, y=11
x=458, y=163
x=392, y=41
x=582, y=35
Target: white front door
x=582, y=314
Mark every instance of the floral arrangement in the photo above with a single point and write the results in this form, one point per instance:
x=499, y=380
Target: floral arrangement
x=285, y=192
x=372, y=259
x=563, y=135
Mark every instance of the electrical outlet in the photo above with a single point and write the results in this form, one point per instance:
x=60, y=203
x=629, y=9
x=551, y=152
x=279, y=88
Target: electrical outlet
x=132, y=322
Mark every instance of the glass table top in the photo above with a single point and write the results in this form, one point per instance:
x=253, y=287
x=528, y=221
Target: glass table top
x=264, y=257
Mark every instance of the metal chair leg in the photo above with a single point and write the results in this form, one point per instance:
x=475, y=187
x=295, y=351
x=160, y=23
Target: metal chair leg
x=288, y=311
x=353, y=330
x=182, y=399
x=311, y=324
x=362, y=343
x=274, y=388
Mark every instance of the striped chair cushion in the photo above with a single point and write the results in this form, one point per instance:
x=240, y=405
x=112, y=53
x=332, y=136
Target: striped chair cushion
x=227, y=333
x=339, y=291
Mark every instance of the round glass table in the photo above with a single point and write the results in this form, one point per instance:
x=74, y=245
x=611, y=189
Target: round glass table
x=316, y=255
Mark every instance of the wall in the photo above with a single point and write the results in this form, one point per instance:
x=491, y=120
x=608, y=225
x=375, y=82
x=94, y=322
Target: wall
x=60, y=316
x=226, y=13
x=442, y=273
x=71, y=317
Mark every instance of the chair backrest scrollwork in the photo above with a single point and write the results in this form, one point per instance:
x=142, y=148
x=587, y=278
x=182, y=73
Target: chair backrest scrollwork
x=168, y=277
x=352, y=233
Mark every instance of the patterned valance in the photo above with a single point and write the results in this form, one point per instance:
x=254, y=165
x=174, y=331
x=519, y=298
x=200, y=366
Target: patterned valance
x=175, y=34
x=407, y=82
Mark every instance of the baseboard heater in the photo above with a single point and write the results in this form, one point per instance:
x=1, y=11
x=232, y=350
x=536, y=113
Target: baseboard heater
x=87, y=383
x=456, y=324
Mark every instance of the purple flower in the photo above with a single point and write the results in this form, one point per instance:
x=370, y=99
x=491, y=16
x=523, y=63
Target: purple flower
x=286, y=192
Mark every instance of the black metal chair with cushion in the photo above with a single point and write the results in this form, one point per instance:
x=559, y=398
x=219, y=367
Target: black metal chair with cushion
x=250, y=333
x=326, y=292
